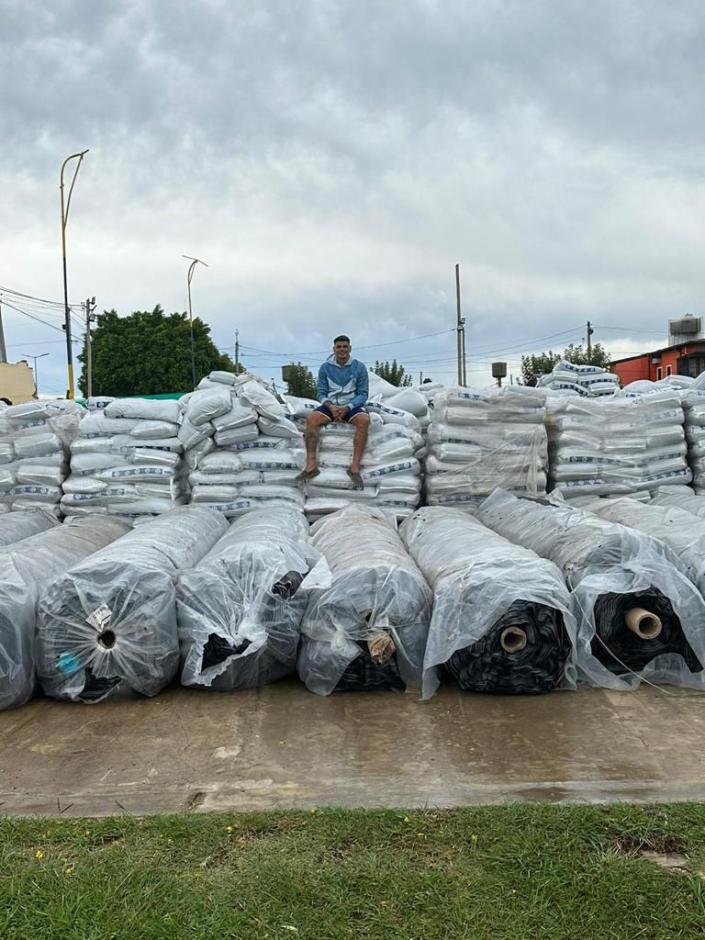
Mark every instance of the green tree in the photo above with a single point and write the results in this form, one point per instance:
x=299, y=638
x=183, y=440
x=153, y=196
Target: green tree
x=300, y=381
x=149, y=353
x=535, y=365
x=393, y=372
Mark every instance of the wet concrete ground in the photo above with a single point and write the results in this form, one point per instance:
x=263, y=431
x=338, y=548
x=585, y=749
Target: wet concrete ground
x=284, y=747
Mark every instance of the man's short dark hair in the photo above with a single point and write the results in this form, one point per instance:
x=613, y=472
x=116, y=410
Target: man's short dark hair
x=341, y=339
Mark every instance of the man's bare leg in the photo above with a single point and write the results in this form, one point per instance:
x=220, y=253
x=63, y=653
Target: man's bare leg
x=362, y=427
x=315, y=422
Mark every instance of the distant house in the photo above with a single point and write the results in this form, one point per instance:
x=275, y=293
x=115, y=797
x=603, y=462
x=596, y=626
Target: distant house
x=685, y=354
x=17, y=382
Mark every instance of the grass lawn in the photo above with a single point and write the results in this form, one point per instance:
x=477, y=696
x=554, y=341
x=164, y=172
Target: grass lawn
x=525, y=871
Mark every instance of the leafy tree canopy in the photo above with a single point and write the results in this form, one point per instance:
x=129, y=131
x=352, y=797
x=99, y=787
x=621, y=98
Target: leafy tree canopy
x=300, y=381
x=393, y=372
x=149, y=353
x=533, y=366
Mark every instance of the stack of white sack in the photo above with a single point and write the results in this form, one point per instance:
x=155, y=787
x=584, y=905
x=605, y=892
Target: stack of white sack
x=34, y=448
x=390, y=471
x=620, y=446
x=242, y=450
x=127, y=460
x=693, y=400
x=395, y=403
x=586, y=381
x=478, y=440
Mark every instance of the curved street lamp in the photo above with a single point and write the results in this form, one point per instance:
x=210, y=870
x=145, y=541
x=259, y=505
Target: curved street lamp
x=189, y=277
x=64, y=220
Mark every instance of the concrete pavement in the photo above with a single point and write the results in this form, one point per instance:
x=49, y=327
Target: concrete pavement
x=194, y=751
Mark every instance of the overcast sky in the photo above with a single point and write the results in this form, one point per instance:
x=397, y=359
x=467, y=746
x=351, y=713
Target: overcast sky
x=332, y=161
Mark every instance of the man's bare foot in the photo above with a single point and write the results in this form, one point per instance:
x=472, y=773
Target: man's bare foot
x=356, y=478
x=308, y=473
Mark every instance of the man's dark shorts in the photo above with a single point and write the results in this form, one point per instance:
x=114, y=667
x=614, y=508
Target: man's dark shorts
x=325, y=410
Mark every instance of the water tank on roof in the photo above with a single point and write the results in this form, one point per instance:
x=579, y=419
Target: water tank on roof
x=684, y=329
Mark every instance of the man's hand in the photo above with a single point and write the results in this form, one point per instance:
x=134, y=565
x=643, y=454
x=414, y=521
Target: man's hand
x=339, y=412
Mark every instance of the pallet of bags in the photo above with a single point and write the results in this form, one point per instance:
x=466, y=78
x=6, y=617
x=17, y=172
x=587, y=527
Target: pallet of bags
x=127, y=460
x=242, y=449
x=391, y=471
x=616, y=446
x=240, y=608
x=27, y=568
x=639, y=615
x=693, y=400
x=501, y=620
x=366, y=623
x=583, y=380
x=107, y=626
x=480, y=439
x=35, y=438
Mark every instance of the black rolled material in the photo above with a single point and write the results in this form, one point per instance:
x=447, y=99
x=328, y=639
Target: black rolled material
x=363, y=675
x=616, y=646
x=485, y=666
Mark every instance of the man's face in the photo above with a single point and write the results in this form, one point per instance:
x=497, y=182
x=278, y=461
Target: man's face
x=342, y=351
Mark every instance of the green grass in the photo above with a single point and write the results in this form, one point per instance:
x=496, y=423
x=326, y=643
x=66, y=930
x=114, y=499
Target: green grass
x=525, y=871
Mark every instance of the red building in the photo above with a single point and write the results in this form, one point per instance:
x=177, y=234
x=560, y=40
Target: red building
x=685, y=356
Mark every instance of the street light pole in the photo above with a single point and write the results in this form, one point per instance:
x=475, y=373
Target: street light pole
x=189, y=276
x=40, y=356
x=64, y=220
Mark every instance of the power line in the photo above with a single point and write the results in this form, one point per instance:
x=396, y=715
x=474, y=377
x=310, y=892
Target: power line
x=6, y=303
x=322, y=352
x=40, y=300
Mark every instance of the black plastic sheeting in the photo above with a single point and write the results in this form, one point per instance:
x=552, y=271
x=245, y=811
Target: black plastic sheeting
x=485, y=666
x=616, y=646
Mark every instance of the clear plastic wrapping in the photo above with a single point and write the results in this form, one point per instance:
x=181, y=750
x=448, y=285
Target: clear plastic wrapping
x=26, y=568
x=673, y=525
x=366, y=627
x=616, y=446
x=20, y=525
x=478, y=439
x=107, y=627
x=239, y=609
x=502, y=619
x=638, y=613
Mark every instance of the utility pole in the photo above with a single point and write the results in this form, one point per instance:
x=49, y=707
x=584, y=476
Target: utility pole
x=40, y=356
x=237, y=352
x=3, y=350
x=64, y=221
x=90, y=318
x=189, y=276
x=460, y=328
x=590, y=331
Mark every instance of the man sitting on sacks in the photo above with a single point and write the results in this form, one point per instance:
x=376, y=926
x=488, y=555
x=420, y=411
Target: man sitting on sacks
x=343, y=387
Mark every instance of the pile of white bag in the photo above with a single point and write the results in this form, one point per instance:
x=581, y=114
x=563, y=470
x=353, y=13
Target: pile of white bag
x=617, y=446
x=694, y=406
x=391, y=471
x=478, y=440
x=127, y=460
x=586, y=381
x=34, y=447
x=241, y=449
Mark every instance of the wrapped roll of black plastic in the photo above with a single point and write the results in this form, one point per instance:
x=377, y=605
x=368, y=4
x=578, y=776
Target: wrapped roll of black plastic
x=107, y=627
x=501, y=614
x=239, y=610
x=366, y=623
x=15, y=526
x=26, y=568
x=639, y=615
